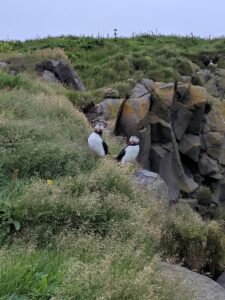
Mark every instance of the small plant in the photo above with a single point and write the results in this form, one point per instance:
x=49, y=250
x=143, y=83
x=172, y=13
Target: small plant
x=7, y=222
x=204, y=196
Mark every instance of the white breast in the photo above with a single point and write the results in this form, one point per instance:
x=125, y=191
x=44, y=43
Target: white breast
x=131, y=153
x=95, y=143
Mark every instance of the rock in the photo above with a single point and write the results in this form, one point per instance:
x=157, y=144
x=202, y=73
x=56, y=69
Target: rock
x=153, y=183
x=3, y=65
x=213, y=143
x=180, y=119
x=134, y=115
x=194, y=285
x=185, y=79
x=139, y=91
x=190, y=146
x=162, y=99
x=213, y=81
x=109, y=108
x=160, y=129
x=49, y=76
x=63, y=72
x=222, y=154
x=221, y=280
x=208, y=166
x=195, y=125
x=111, y=93
x=148, y=84
x=167, y=163
x=196, y=97
x=144, y=136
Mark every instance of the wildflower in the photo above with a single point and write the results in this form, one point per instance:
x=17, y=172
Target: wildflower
x=49, y=182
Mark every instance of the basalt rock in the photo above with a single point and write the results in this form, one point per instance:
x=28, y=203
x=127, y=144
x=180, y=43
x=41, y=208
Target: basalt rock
x=63, y=72
x=182, y=132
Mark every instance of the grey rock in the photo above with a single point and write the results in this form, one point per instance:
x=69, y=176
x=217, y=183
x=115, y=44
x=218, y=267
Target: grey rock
x=148, y=84
x=160, y=130
x=190, y=146
x=166, y=162
x=213, y=143
x=49, y=76
x=152, y=182
x=221, y=280
x=139, y=91
x=144, y=136
x=196, y=120
x=208, y=166
x=162, y=99
x=109, y=108
x=194, y=285
x=180, y=119
x=63, y=71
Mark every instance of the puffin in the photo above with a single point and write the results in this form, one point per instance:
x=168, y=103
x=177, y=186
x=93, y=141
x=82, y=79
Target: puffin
x=96, y=142
x=130, y=152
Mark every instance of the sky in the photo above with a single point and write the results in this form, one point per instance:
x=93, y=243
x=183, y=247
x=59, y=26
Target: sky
x=26, y=19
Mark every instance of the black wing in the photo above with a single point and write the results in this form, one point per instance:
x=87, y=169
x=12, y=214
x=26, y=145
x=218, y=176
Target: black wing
x=106, y=148
x=121, y=154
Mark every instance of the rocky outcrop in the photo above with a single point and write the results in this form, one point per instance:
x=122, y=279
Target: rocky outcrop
x=61, y=71
x=193, y=285
x=187, y=134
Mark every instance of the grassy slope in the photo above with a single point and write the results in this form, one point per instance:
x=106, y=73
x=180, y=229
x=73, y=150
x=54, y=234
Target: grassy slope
x=93, y=234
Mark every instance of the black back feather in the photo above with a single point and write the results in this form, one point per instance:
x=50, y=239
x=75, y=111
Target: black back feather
x=121, y=154
x=106, y=148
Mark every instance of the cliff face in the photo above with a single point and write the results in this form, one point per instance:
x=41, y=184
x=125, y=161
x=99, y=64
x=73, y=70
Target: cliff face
x=182, y=131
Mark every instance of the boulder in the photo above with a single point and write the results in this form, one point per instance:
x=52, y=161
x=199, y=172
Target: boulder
x=133, y=116
x=160, y=129
x=194, y=285
x=190, y=146
x=49, y=76
x=139, y=91
x=196, y=97
x=166, y=162
x=144, y=136
x=180, y=119
x=152, y=182
x=109, y=108
x=221, y=280
x=162, y=99
x=208, y=166
x=148, y=84
x=213, y=81
x=213, y=143
x=63, y=71
x=222, y=154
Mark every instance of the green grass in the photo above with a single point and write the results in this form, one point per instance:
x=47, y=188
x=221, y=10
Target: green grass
x=90, y=232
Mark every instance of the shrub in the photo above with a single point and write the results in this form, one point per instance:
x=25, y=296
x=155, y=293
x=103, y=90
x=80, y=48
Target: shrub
x=188, y=240
x=204, y=196
x=8, y=81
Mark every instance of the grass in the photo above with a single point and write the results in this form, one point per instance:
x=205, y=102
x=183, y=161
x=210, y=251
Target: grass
x=71, y=226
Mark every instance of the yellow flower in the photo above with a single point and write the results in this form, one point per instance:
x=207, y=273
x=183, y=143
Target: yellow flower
x=49, y=182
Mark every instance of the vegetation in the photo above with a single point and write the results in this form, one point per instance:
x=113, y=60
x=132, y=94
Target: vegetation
x=71, y=226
